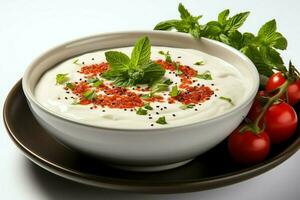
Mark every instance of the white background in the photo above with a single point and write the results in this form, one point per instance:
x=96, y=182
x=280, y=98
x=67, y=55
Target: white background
x=28, y=28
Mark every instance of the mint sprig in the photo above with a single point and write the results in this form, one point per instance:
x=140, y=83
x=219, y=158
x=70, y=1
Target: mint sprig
x=261, y=48
x=138, y=69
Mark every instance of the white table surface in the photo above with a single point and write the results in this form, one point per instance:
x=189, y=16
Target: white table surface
x=28, y=28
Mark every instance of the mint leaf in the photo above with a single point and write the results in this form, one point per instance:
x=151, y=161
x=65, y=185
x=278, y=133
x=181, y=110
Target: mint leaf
x=174, y=92
x=152, y=72
x=236, y=21
x=140, y=54
x=167, y=25
x=159, y=87
x=141, y=111
x=222, y=17
x=206, y=76
x=117, y=60
x=61, y=78
x=268, y=36
x=184, y=13
x=267, y=29
x=161, y=120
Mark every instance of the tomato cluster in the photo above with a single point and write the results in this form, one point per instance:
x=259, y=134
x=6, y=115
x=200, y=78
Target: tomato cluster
x=251, y=143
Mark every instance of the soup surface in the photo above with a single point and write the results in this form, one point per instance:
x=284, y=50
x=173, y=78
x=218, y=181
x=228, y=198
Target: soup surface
x=195, y=87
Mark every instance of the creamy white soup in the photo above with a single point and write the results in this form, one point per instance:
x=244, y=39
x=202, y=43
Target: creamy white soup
x=192, y=87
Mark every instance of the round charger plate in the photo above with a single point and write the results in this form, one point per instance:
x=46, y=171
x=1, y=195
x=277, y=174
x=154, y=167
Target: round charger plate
x=210, y=170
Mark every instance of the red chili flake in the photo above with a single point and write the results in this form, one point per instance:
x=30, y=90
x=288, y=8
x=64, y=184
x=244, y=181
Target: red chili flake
x=166, y=65
x=94, y=69
x=194, y=95
x=85, y=102
x=127, y=100
x=80, y=87
x=185, y=81
x=171, y=100
x=188, y=71
x=155, y=98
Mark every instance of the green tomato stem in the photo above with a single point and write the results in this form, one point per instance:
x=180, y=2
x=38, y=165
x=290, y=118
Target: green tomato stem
x=282, y=90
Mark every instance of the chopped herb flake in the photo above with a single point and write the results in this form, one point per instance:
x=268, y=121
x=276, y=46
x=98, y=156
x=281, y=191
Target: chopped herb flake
x=168, y=81
x=167, y=56
x=90, y=94
x=141, y=111
x=76, y=62
x=229, y=100
x=199, y=63
x=206, y=76
x=145, y=96
x=92, y=80
x=161, y=120
x=61, y=78
x=147, y=106
x=70, y=86
x=174, y=92
x=187, y=106
x=98, y=83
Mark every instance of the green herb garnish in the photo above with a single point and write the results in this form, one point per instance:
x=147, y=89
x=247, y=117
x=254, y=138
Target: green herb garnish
x=167, y=56
x=76, y=62
x=71, y=86
x=199, y=62
x=229, y=100
x=161, y=120
x=206, y=76
x=167, y=81
x=177, y=71
x=92, y=80
x=138, y=69
x=187, y=106
x=147, y=106
x=61, y=78
x=95, y=82
x=262, y=48
x=146, y=96
x=90, y=94
x=98, y=83
x=141, y=111
x=174, y=92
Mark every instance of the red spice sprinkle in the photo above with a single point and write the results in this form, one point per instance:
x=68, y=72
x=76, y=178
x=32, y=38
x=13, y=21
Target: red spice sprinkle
x=122, y=98
x=155, y=98
x=194, y=95
x=126, y=100
x=188, y=71
x=95, y=69
x=166, y=65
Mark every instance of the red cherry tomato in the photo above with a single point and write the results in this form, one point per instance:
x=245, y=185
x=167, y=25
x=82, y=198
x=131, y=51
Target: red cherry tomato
x=274, y=81
x=281, y=122
x=248, y=148
x=294, y=92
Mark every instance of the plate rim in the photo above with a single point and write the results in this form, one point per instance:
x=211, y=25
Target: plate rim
x=146, y=186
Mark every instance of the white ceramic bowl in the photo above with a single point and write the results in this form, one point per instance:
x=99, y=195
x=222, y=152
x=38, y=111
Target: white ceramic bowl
x=140, y=149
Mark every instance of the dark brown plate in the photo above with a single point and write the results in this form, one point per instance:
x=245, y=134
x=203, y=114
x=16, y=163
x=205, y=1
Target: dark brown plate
x=210, y=170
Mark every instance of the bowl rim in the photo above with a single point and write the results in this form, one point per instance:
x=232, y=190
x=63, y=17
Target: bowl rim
x=31, y=98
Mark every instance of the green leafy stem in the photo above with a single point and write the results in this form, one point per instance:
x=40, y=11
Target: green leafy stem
x=261, y=48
